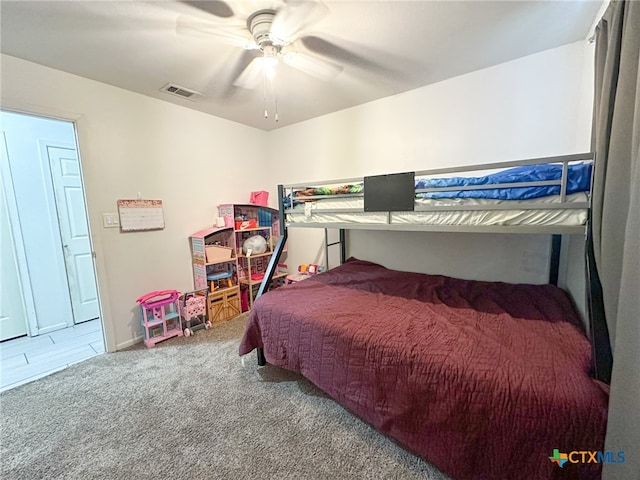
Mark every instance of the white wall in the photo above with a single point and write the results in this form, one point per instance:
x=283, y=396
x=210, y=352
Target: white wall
x=130, y=143
x=531, y=107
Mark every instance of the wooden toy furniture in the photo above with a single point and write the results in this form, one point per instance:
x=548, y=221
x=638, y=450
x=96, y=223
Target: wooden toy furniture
x=247, y=220
x=220, y=280
x=159, y=316
x=213, y=258
x=215, y=267
x=220, y=264
x=223, y=304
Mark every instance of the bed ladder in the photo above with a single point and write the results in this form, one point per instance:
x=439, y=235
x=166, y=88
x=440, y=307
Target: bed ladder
x=277, y=252
x=343, y=247
x=273, y=262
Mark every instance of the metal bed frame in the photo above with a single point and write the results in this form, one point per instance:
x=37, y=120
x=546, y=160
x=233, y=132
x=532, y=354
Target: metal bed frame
x=597, y=324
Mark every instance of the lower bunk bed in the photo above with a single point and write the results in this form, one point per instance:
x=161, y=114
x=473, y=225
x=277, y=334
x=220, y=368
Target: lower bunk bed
x=485, y=380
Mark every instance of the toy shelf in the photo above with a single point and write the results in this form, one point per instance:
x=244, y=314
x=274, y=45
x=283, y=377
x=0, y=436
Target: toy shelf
x=213, y=254
x=220, y=261
x=266, y=254
x=247, y=220
x=160, y=319
x=153, y=323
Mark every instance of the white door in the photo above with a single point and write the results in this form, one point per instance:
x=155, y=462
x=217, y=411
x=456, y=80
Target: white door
x=67, y=186
x=35, y=223
x=13, y=317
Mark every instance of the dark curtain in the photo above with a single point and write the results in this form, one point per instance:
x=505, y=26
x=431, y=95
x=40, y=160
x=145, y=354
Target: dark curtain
x=616, y=221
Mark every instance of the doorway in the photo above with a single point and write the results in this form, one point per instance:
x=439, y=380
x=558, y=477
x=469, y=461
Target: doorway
x=47, y=279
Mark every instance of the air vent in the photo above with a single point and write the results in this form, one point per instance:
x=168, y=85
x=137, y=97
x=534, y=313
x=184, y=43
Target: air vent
x=182, y=92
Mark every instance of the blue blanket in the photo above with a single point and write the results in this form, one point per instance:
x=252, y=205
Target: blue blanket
x=578, y=180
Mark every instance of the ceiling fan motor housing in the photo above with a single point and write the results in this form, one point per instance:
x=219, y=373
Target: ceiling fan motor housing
x=259, y=24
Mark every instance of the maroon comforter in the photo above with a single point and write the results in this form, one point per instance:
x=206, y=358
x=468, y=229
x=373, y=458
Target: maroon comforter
x=482, y=379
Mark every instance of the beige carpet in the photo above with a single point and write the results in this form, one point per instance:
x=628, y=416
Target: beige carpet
x=189, y=409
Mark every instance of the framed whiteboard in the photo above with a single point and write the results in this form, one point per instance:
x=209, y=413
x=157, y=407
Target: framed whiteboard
x=140, y=215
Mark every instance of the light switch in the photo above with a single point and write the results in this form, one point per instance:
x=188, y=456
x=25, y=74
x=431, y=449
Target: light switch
x=110, y=220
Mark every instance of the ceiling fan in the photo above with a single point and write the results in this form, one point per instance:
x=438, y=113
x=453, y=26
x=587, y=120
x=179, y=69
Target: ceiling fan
x=273, y=34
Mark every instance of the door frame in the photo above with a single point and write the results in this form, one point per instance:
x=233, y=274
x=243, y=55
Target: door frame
x=43, y=144
x=18, y=243
x=81, y=124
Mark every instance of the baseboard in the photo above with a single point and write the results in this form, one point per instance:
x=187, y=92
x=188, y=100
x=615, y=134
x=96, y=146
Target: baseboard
x=129, y=343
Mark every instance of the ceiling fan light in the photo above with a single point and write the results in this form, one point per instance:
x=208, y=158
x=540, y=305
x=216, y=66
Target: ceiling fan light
x=270, y=62
x=270, y=57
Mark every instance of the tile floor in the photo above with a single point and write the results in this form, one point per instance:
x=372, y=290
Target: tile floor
x=28, y=358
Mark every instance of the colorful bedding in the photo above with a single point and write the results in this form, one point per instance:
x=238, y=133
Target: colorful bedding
x=340, y=190
x=482, y=379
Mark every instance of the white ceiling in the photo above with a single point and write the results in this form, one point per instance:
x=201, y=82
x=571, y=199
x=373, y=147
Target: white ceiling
x=384, y=47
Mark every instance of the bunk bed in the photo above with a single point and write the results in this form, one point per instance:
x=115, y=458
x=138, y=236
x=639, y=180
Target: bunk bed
x=482, y=379
x=524, y=196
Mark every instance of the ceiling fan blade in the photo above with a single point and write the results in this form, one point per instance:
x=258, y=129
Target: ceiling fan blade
x=217, y=8
x=295, y=16
x=344, y=55
x=231, y=34
x=224, y=71
x=320, y=69
x=252, y=76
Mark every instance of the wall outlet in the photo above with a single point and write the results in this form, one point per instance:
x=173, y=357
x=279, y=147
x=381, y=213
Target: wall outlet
x=110, y=220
